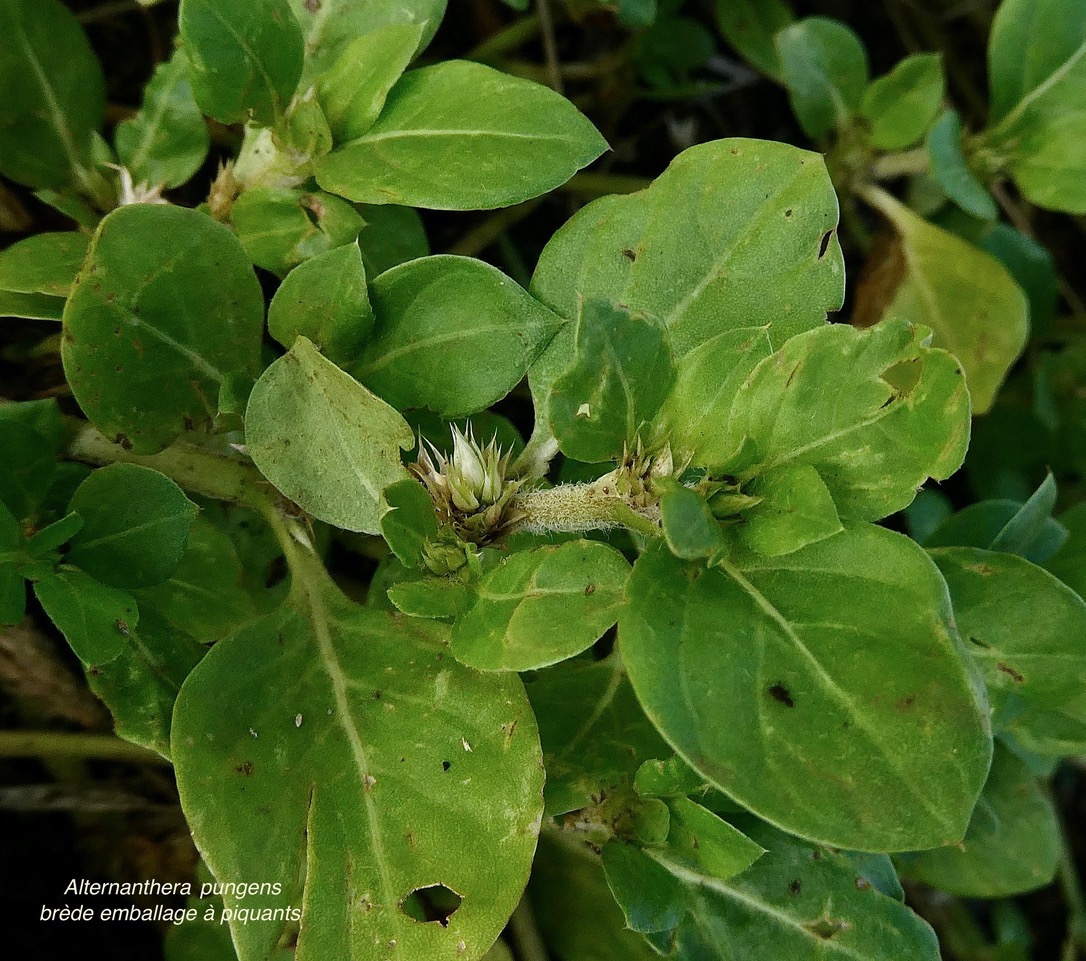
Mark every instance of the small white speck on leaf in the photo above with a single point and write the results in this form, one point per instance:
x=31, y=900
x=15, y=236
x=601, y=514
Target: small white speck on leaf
x=467, y=747
x=584, y=411
x=253, y=733
x=297, y=720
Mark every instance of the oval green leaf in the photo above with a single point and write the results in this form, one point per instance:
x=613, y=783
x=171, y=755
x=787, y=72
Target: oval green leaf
x=165, y=307
x=542, y=606
x=439, y=122
x=323, y=440
x=859, y=726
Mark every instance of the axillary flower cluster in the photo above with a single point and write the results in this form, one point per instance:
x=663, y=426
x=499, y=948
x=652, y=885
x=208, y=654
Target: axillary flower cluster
x=472, y=489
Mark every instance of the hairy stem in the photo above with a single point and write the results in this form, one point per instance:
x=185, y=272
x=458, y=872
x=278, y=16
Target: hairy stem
x=570, y=508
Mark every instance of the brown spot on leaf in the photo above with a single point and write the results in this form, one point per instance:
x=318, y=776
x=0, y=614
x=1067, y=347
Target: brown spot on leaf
x=1014, y=675
x=245, y=769
x=795, y=887
x=781, y=694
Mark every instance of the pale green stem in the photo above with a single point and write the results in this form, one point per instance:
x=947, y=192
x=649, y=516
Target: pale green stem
x=103, y=747
x=904, y=164
x=600, y=184
x=196, y=469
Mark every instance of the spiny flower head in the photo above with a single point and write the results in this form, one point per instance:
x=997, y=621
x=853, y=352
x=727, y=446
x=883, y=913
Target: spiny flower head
x=470, y=488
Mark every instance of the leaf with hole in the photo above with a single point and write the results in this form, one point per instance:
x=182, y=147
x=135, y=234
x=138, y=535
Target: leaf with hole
x=435, y=760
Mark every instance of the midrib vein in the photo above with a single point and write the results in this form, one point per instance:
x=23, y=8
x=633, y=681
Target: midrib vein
x=330, y=662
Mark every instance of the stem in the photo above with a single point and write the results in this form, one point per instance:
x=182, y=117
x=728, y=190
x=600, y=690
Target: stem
x=196, y=469
x=484, y=234
x=517, y=33
x=570, y=508
x=525, y=934
x=104, y=747
x=600, y=184
x=903, y=164
x=550, y=45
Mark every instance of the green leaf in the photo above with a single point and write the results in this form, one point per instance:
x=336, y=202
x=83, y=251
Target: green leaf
x=667, y=779
x=796, y=509
x=1069, y=562
x=439, y=122
x=167, y=141
x=695, y=414
x=136, y=673
x=54, y=535
x=1056, y=733
x=950, y=286
x=391, y=236
x=574, y=908
x=651, y=898
x=1037, y=56
x=978, y=525
x=952, y=172
x=1028, y=261
x=245, y=57
x=621, y=373
x=1012, y=845
x=824, y=66
x=54, y=94
x=436, y=762
x=165, y=307
x=902, y=105
x=324, y=299
x=750, y=26
x=408, y=520
x=736, y=235
x=856, y=725
x=594, y=733
x=280, y=228
x=354, y=91
x=900, y=415
x=689, y=527
x=30, y=463
x=332, y=25
x=436, y=318
x=323, y=440
x=1028, y=524
x=799, y=903
x=33, y=306
x=207, y=596
x=43, y=264
x=541, y=606
x=436, y=597
x=1026, y=629
x=135, y=526
x=701, y=850
x=12, y=584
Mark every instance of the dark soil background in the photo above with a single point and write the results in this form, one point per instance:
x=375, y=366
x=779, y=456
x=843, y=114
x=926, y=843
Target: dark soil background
x=73, y=818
